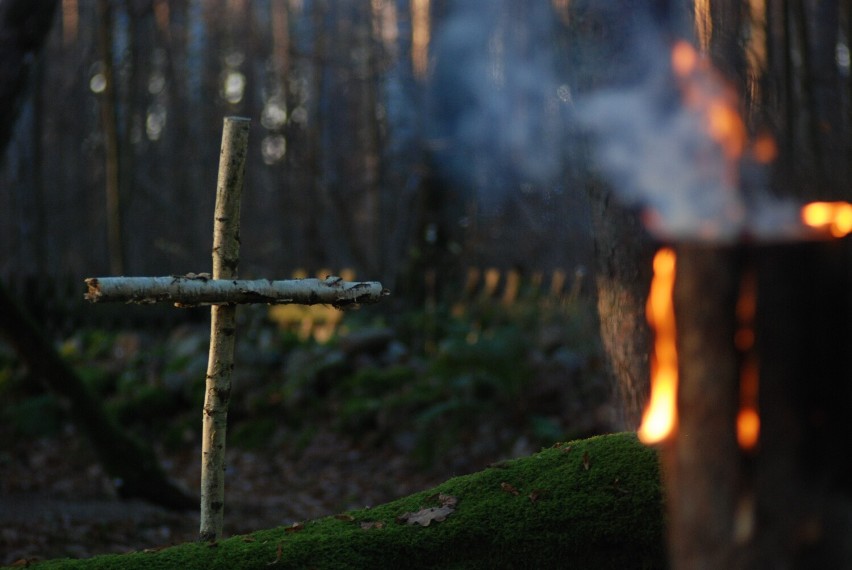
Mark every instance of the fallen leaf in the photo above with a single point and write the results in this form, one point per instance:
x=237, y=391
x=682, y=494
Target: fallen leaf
x=424, y=517
x=509, y=488
x=567, y=449
x=535, y=495
x=344, y=517
x=249, y=539
x=279, y=553
x=367, y=525
x=447, y=500
x=295, y=527
x=587, y=462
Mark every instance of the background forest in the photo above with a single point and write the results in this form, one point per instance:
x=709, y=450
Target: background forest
x=384, y=133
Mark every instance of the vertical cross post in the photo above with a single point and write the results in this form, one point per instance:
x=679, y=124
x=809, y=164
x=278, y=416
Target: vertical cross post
x=220, y=364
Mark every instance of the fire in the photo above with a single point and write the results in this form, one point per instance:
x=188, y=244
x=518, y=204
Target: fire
x=836, y=217
x=748, y=418
x=684, y=59
x=710, y=96
x=660, y=418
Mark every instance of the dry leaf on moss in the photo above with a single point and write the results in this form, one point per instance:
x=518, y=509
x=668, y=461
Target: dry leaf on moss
x=367, y=525
x=424, y=517
x=447, y=500
x=509, y=489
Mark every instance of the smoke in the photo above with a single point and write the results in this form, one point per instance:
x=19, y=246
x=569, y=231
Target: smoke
x=497, y=101
x=657, y=157
x=657, y=149
x=505, y=111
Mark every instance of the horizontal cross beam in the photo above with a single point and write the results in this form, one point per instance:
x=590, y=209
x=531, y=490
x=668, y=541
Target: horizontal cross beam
x=192, y=290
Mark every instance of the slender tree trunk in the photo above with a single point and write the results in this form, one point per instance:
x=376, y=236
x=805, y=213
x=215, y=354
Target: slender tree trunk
x=109, y=126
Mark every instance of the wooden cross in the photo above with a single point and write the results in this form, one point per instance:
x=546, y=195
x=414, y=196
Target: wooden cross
x=223, y=291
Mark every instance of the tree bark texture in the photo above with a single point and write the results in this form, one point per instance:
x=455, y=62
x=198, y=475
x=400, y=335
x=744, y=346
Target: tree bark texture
x=702, y=494
x=187, y=291
x=220, y=364
x=123, y=457
x=788, y=502
x=623, y=262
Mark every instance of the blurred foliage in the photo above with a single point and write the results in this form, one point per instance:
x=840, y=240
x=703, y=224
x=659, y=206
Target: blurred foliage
x=485, y=376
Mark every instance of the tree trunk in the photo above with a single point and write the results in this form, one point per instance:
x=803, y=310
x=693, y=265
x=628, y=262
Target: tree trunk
x=109, y=127
x=701, y=468
x=623, y=261
x=24, y=25
x=124, y=458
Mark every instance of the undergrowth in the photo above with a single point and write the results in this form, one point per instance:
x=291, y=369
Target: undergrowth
x=426, y=381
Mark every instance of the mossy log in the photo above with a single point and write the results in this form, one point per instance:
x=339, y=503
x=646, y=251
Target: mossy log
x=594, y=503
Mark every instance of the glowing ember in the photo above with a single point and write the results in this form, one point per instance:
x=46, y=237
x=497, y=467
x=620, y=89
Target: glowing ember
x=660, y=418
x=748, y=418
x=835, y=217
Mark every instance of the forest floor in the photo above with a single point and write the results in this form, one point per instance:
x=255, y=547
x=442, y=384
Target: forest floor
x=56, y=501
x=315, y=430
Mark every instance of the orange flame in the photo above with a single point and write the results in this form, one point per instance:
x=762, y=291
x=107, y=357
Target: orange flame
x=748, y=418
x=709, y=95
x=684, y=59
x=835, y=217
x=660, y=418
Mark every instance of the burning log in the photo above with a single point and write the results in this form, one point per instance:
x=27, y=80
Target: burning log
x=750, y=401
x=761, y=479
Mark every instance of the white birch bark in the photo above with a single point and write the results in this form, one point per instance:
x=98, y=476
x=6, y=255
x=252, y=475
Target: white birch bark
x=191, y=290
x=226, y=253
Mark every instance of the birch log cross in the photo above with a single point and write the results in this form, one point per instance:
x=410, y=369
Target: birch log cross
x=223, y=291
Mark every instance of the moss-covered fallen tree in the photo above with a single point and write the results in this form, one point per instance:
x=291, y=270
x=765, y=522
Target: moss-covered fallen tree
x=594, y=503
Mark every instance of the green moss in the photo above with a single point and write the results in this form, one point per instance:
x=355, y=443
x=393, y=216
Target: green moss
x=593, y=503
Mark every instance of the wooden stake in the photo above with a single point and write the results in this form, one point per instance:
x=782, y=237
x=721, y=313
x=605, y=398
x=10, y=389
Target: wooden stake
x=226, y=254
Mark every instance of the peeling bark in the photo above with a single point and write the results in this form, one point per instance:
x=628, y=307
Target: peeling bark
x=188, y=291
x=220, y=364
